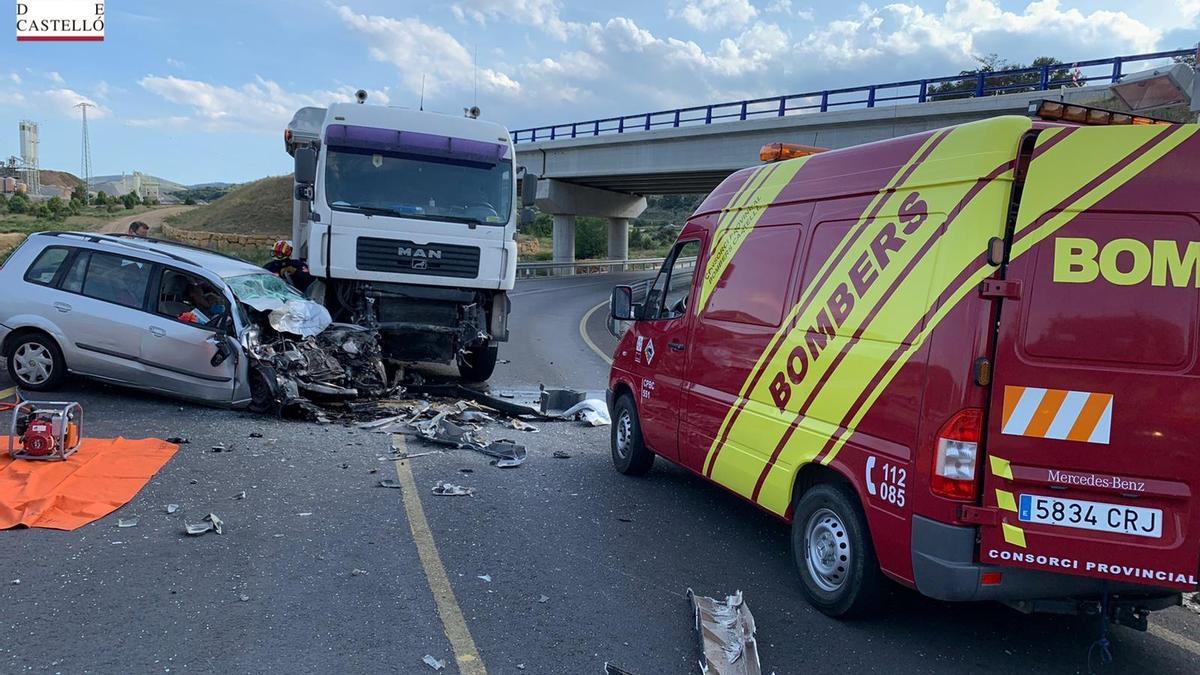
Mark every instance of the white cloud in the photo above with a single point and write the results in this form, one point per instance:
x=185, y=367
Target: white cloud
x=259, y=106
x=174, y=63
x=543, y=14
x=420, y=52
x=715, y=14
x=63, y=102
x=55, y=77
x=785, y=7
x=14, y=78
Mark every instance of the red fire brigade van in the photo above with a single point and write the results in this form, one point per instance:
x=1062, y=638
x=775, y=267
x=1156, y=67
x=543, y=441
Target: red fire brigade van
x=964, y=360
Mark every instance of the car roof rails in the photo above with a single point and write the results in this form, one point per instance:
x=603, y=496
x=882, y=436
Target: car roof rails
x=96, y=238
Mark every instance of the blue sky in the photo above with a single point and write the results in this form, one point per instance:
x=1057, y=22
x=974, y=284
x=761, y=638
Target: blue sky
x=200, y=91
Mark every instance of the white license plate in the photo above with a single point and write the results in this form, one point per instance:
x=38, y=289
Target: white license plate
x=1083, y=515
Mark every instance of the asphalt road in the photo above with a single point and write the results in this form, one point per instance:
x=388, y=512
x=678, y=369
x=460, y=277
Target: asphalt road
x=585, y=565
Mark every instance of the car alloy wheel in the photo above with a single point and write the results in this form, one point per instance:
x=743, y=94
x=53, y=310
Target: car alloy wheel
x=34, y=364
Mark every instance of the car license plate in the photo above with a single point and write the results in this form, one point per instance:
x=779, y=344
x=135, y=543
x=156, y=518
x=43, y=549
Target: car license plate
x=1083, y=515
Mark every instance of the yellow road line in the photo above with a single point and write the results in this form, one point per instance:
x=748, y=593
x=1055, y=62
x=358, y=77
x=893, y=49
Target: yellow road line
x=1174, y=638
x=587, y=340
x=6, y=393
x=453, y=623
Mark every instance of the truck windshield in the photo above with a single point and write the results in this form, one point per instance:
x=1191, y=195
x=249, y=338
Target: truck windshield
x=412, y=186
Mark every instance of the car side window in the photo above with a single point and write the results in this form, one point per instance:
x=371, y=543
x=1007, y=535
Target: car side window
x=117, y=279
x=668, y=297
x=73, y=281
x=45, y=268
x=190, y=299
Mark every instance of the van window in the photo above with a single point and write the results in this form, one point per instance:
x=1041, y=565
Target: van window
x=668, y=298
x=117, y=279
x=754, y=286
x=45, y=268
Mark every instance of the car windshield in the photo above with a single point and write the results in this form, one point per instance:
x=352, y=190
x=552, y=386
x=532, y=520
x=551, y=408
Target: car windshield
x=414, y=186
x=262, y=291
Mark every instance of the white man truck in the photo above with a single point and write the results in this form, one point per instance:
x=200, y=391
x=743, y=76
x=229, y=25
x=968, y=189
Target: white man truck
x=408, y=219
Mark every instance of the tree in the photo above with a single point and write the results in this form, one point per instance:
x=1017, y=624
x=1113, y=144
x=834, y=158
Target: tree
x=3, y=203
x=131, y=200
x=57, y=207
x=42, y=211
x=79, y=193
x=1060, y=74
x=190, y=201
x=591, y=238
x=19, y=203
x=101, y=199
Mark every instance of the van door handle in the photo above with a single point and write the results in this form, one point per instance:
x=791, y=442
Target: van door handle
x=62, y=307
x=675, y=346
x=157, y=332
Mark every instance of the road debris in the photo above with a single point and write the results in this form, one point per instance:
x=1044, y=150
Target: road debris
x=172, y=508
x=15, y=582
x=389, y=483
x=555, y=402
x=127, y=522
x=559, y=454
x=255, y=434
x=178, y=440
x=358, y=573
x=521, y=425
x=726, y=630
x=433, y=663
x=1191, y=601
x=486, y=577
x=210, y=523
x=219, y=447
x=543, y=599
x=240, y=495
x=610, y=669
x=244, y=598
x=451, y=490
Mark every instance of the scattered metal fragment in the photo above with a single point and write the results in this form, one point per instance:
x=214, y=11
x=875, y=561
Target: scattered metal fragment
x=219, y=447
x=555, y=402
x=255, y=434
x=521, y=425
x=543, y=598
x=506, y=453
x=177, y=440
x=210, y=523
x=466, y=470
x=304, y=514
x=409, y=455
x=433, y=663
x=1191, y=601
x=593, y=411
x=610, y=669
x=486, y=577
x=172, y=508
x=240, y=495
x=15, y=582
x=451, y=490
x=389, y=483
x=559, y=454
x=357, y=572
x=623, y=519
x=244, y=598
x=127, y=522
x=726, y=630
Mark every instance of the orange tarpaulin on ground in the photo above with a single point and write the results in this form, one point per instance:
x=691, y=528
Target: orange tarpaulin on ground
x=95, y=481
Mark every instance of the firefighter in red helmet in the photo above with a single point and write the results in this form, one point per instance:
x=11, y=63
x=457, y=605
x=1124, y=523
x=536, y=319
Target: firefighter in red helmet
x=290, y=269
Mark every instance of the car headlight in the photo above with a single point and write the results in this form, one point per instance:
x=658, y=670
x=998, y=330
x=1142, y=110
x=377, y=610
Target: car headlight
x=250, y=339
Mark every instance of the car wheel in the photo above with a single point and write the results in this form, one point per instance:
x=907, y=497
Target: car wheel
x=479, y=362
x=630, y=454
x=36, y=363
x=264, y=389
x=831, y=544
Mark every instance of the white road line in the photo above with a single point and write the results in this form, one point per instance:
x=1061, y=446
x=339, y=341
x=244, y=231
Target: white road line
x=587, y=340
x=1186, y=644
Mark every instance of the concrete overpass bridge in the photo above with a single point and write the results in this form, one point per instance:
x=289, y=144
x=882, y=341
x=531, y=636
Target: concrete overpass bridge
x=603, y=167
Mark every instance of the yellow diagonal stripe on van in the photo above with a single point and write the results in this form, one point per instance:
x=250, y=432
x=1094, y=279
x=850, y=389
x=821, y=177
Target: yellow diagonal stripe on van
x=739, y=219
x=856, y=288
x=754, y=435
x=1057, y=413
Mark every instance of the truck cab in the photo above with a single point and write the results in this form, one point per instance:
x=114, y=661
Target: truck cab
x=407, y=219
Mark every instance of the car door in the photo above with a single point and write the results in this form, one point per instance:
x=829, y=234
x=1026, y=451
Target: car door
x=179, y=338
x=661, y=345
x=99, y=308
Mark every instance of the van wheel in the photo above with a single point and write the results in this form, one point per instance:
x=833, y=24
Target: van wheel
x=479, y=362
x=630, y=454
x=36, y=363
x=831, y=544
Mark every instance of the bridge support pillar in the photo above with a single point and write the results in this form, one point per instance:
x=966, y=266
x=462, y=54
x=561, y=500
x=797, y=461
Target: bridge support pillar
x=564, y=201
x=564, y=241
x=618, y=239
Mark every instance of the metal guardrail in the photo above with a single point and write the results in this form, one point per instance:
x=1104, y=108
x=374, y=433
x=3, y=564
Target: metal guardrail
x=868, y=96
x=527, y=270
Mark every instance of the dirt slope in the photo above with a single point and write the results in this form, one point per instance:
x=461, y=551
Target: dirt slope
x=261, y=207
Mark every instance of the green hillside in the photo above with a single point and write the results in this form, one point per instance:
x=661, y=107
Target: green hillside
x=261, y=207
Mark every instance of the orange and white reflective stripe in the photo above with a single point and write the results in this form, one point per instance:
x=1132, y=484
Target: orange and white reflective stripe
x=1057, y=413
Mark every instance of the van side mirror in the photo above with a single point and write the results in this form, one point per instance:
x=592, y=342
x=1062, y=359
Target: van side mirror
x=306, y=166
x=526, y=218
x=621, y=304
x=529, y=189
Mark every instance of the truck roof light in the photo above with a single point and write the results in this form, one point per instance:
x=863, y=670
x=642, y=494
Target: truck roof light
x=777, y=152
x=956, y=456
x=1087, y=115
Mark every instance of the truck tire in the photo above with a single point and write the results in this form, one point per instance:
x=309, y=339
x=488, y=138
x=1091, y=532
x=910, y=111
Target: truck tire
x=839, y=572
x=629, y=452
x=478, y=363
x=35, y=362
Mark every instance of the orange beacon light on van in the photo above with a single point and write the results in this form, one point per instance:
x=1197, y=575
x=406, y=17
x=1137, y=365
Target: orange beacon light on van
x=777, y=152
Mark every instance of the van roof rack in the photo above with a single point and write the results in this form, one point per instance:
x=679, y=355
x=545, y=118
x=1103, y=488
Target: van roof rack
x=1061, y=111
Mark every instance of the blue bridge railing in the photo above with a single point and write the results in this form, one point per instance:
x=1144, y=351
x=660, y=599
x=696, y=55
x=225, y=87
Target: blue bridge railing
x=1038, y=78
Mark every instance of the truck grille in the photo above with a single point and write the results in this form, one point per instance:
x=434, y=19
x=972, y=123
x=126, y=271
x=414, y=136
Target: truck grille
x=405, y=257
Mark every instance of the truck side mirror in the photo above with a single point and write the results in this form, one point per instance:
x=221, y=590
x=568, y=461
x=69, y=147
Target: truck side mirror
x=306, y=166
x=529, y=189
x=621, y=304
x=526, y=218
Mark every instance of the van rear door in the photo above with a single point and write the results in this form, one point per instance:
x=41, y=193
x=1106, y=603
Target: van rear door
x=1093, y=430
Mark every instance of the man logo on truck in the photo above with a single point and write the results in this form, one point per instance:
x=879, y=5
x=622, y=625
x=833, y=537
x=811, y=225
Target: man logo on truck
x=429, y=253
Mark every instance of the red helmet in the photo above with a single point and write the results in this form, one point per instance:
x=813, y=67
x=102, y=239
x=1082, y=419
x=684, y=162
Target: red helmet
x=282, y=249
